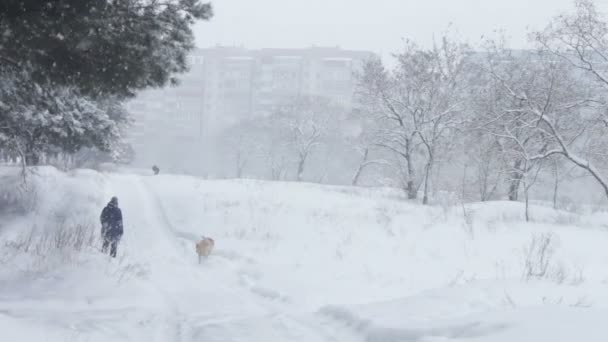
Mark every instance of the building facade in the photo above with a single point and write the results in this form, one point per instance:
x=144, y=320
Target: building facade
x=240, y=83
x=226, y=85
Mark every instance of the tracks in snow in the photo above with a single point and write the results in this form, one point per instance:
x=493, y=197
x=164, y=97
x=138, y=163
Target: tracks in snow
x=200, y=303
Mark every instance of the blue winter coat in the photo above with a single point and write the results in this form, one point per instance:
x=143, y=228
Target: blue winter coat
x=111, y=221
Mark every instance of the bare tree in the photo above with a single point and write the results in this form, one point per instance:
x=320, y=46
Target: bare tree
x=366, y=161
x=366, y=144
x=536, y=111
x=241, y=158
x=241, y=144
x=484, y=155
x=392, y=127
x=528, y=179
x=434, y=82
x=418, y=102
x=561, y=170
x=305, y=122
x=580, y=39
x=278, y=165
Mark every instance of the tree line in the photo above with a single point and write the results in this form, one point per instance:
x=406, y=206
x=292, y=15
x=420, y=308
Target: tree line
x=495, y=118
x=513, y=112
x=68, y=66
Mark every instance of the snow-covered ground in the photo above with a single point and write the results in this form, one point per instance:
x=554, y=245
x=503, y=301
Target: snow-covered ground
x=295, y=262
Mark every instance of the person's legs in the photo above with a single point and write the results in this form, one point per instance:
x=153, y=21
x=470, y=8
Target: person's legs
x=113, y=247
x=104, y=246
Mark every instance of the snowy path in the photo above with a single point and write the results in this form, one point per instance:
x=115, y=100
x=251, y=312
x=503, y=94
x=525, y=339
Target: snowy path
x=215, y=301
x=297, y=262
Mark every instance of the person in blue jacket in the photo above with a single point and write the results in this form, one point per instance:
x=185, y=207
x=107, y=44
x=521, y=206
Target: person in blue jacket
x=111, y=226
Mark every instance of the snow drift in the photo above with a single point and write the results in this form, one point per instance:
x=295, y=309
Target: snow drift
x=298, y=262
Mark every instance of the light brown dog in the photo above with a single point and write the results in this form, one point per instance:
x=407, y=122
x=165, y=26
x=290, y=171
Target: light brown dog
x=204, y=247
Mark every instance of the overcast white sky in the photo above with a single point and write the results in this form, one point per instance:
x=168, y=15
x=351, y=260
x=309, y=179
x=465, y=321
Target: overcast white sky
x=376, y=25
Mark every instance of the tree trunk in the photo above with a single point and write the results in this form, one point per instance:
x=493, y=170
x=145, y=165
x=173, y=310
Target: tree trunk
x=527, y=182
x=555, y=185
x=300, y=173
x=32, y=158
x=463, y=192
x=482, y=178
x=412, y=192
x=355, y=179
x=514, y=190
x=30, y=154
x=240, y=165
x=527, y=207
x=425, y=197
x=274, y=174
x=515, y=181
x=526, y=195
x=278, y=173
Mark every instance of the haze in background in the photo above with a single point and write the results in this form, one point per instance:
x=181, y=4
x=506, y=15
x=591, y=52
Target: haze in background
x=378, y=25
x=185, y=129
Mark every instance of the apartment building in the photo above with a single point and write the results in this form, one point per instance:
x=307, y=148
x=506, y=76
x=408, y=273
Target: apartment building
x=226, y=85
x=241, y=83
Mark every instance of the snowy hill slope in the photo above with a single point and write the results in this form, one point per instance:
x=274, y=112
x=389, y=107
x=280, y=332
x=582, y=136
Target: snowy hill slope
x=298, y=262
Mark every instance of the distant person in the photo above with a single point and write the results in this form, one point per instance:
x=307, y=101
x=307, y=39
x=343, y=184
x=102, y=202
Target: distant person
x=155, y=169
x=111, y=227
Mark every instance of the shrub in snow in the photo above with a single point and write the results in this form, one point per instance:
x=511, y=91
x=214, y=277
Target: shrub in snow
x=39, y=250
x=538, y=256
x=539, y=261
x=17, y=197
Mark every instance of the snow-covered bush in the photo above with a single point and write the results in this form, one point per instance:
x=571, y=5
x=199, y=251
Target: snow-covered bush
x=17, y=197
x=42, y=249
x=64, y=238
x=540, y=263
x=538, y=255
